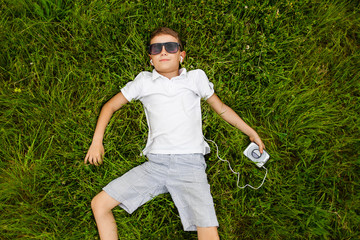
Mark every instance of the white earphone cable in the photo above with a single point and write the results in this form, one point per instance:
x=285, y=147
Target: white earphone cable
x=237, y=173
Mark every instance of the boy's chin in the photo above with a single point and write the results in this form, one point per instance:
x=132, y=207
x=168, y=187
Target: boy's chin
x=167, y=68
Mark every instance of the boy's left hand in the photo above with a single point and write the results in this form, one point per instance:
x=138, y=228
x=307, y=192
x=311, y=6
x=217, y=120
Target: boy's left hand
x=256, y=139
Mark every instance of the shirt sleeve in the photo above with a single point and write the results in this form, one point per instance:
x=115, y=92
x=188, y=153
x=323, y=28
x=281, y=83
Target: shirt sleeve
x=205, y=87
x=133, y=89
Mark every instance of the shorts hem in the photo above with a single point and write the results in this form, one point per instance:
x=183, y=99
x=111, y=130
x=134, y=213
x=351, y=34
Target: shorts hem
x=193, y=228
x=123, y=203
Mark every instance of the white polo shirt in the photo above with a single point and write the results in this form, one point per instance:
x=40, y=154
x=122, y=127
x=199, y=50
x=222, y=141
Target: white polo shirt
x=172, y=109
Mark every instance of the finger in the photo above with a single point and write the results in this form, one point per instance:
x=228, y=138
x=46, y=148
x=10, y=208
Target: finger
x=100, y=160
x=261, y=146
x=97, y=161
x=86, y=159
x=90, y=160
x=94, y=162
x=261, y=149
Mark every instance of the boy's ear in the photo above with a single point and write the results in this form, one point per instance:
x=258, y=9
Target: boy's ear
x=183, y=54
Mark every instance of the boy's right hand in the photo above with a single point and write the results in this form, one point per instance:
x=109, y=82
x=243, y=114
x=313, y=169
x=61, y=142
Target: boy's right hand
x=95, y=154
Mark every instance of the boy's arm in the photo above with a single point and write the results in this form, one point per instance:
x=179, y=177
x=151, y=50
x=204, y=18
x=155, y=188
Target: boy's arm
x=96, y=149
x=231, y=117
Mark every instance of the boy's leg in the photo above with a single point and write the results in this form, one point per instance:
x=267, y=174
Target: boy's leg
x=102, y=204
x=207, y=233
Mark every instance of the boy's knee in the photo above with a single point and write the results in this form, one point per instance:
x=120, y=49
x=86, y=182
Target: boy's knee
x=95, y=203
x=103, y=203
x=98, y=204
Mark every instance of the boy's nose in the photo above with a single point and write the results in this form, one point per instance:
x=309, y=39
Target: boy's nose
x=163, y=50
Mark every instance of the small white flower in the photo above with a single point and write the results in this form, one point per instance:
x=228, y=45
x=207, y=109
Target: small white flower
x=247, y=47
x=246, y=7
x=31, y=63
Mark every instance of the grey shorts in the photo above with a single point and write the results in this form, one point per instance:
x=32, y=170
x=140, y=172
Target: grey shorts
x=181, y=175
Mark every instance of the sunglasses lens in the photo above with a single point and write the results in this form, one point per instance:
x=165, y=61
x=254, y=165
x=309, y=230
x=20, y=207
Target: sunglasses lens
x=155, y=48
x=171, y=47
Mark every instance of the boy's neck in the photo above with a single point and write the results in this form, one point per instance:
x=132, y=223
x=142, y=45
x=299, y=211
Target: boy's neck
x=171, y=74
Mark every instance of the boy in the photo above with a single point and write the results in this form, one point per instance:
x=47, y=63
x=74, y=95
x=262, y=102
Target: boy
x=175, y=147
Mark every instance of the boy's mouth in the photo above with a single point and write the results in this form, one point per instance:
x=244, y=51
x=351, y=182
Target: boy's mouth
x=164, y=60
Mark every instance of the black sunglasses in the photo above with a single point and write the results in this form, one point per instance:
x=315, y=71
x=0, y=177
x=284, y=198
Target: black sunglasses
x=170, y=47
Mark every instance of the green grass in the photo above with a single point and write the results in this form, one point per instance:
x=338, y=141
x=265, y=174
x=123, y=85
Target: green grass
x=289, y=68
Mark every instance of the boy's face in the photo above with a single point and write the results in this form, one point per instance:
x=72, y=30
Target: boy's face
x=165, y=62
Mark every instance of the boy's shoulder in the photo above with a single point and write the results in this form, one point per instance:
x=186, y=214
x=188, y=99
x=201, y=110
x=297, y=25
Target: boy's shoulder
x=196, y=71
x=197, y=75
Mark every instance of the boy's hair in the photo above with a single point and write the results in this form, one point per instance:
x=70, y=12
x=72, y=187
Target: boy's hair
x=166, y=31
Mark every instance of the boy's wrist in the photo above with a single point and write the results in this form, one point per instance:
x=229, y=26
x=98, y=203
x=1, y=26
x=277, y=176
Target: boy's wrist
x=97, y=140
x=253, y=135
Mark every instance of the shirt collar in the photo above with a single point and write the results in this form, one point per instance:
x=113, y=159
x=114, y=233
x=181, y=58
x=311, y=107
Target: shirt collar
x=155, y=74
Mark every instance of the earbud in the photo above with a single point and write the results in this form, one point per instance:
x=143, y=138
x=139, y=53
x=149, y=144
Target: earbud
x=151, y=62
x=181, y=59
